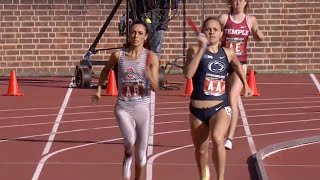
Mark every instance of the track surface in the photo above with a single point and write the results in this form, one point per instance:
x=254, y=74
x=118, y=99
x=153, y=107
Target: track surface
x=54, y=132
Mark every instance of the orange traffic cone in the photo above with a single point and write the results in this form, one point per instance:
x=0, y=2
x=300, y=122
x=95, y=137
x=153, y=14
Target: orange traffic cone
x=13, y=89
x=112, y=89
x=189, y=88
x=252, y=83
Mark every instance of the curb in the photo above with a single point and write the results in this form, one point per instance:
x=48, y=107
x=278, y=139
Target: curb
x=277, y=147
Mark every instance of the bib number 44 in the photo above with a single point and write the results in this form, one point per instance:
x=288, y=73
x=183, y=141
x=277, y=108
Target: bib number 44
x=214, y=87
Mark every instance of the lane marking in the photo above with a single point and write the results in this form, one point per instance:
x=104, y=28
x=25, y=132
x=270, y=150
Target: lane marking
x=46, y=115
x=289, y=108
x=165, y=108
x=77, y=113
x=58, y=120
x=246, y=127
x=151, y=130
x=291, y=147
x=159, y=123
x=186, y=130
x=283, y=114
x=47, y=156
x=285, y=83
x=315, y=81
x=55, y=126
x=47, y=108
x=152, y=158
x=276, y=103
x=272, y=99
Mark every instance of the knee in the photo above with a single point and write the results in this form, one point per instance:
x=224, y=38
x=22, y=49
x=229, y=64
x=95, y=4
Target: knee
x=202, y=150
x=233, y=103
x=141, y=159
x=128, y=146
x=217, y=139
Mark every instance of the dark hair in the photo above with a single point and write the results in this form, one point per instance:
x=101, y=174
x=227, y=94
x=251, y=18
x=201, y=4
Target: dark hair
x=147, y=42
x=209, y=19
x=141, y=23
x=246, y=8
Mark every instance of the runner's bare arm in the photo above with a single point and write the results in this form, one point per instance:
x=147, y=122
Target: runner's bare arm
x=152, y=70
x=256, y=33
x=106, y=69
x=194, y=56
x=223, y=19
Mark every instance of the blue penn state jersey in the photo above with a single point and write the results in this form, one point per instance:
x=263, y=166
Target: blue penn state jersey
x=209, y=81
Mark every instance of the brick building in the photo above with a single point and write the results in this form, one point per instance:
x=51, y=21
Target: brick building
x=49, y=37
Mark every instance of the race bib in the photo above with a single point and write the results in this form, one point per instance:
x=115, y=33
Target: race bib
x=214, y=86
x=238, y=47
x=132, y=90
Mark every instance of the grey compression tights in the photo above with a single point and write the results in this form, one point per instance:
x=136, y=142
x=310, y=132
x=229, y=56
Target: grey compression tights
x=134, y=124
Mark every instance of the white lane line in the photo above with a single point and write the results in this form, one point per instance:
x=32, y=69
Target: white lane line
x=58, y=120
x=46, y=157
x=273, y=99
x=112, y=163
x=283, y=114
x=164, y=122
x=155, y=156
x=169, y=114
x=173, y=108
x=78, y=130
x=315, y=81
x=77, y=113
x=293, y=165
x=79, y=107
x=179, y=102
x=46, y=115
x=288, y=108
x=36, y=176
x=110, y=127
x=291, y=147
x=151, y=131
x=276, y=103
x=151, y=159
x=54, y=128
x=284, y=132
x=173, y=102
x=246, y=127
x=282, y=122
x=61, y=132
x=285, y=83
x=47, y=108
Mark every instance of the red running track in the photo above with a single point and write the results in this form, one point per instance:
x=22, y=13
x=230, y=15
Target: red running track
x=54, y=132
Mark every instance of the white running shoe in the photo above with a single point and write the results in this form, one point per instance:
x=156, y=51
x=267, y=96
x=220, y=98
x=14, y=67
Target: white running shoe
x=126, y=167
x=228, y=144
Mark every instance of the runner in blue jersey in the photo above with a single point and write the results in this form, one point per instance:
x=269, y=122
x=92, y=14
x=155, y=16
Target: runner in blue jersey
x=210, y=113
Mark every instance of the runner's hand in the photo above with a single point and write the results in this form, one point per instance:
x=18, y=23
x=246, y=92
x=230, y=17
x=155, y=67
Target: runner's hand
x=247, y=92
x=260, y=35
x=96, y=98
x=203, y=41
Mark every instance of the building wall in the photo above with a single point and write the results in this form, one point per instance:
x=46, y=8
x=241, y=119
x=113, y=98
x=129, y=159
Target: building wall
x=50, y=37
